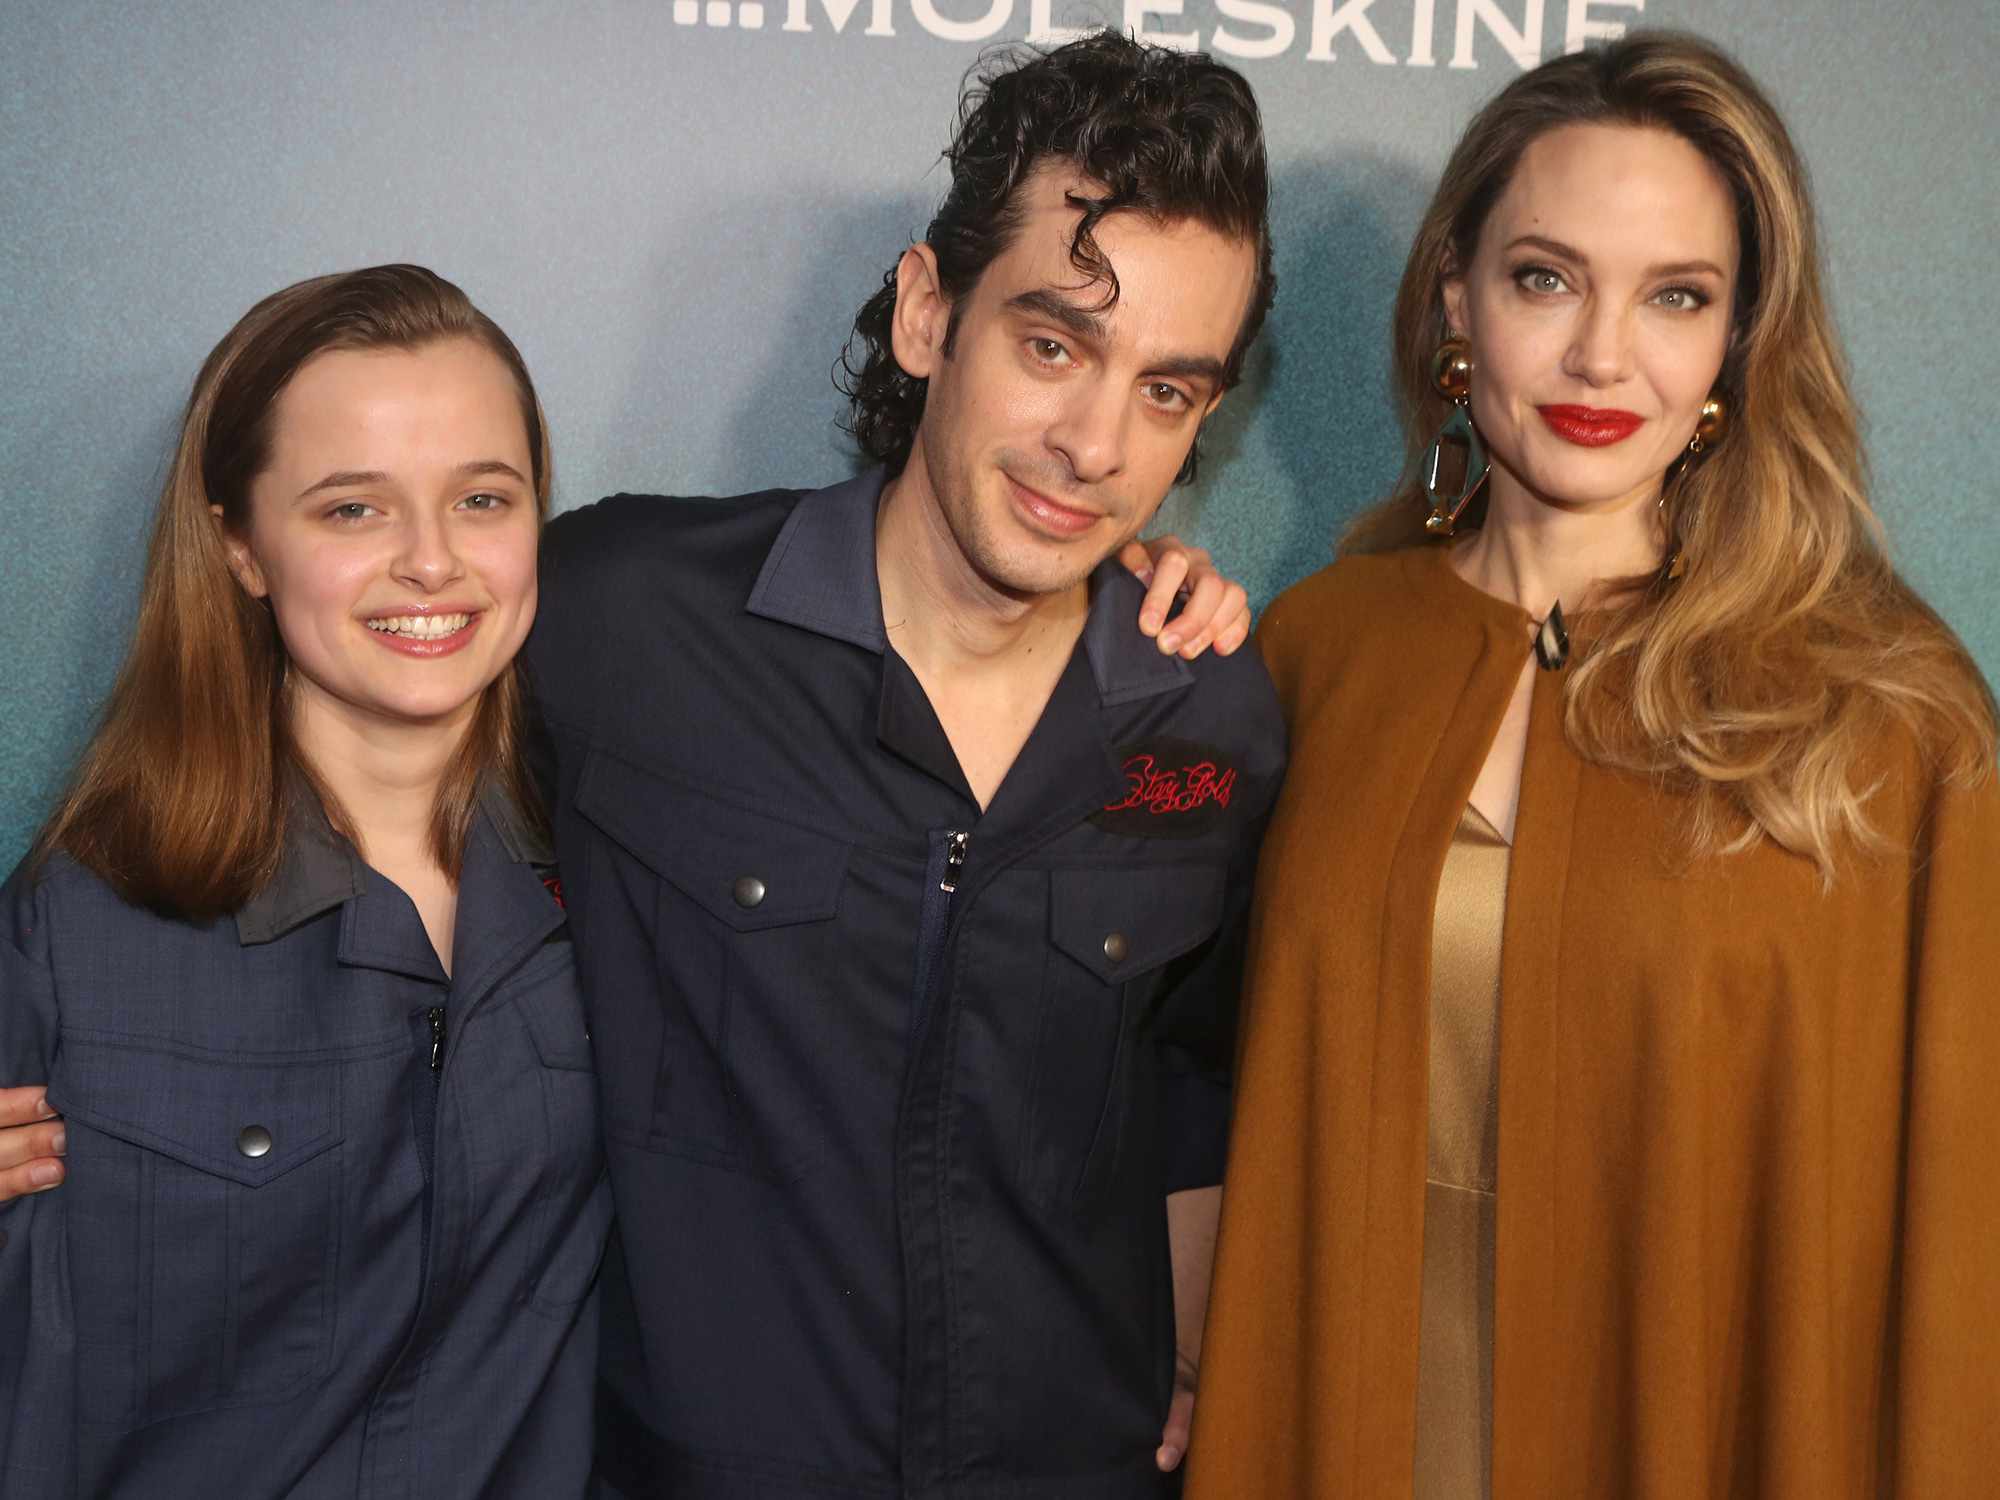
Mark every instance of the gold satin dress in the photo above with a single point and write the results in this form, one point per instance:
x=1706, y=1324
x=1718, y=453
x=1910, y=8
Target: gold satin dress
x=1455, y=1345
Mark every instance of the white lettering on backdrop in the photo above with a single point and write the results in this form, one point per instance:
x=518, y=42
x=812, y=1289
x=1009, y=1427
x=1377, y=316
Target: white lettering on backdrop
x=1482, y=31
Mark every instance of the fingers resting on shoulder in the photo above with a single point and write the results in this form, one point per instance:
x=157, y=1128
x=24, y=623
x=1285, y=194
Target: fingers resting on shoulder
x=1214, y=611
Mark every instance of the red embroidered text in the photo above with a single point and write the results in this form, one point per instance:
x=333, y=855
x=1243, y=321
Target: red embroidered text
x=1173, y=789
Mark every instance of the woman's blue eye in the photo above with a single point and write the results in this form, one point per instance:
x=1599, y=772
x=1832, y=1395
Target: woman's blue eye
x=483, y=501
x=1541, y=279
x=350, y=510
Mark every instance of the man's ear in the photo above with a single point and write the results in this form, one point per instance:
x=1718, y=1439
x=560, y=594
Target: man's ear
x=241, y=562
x=923, y=313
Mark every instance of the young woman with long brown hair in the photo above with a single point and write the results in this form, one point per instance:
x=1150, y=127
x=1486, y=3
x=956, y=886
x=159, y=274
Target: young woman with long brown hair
x=291, y=958
x=1612, y=1114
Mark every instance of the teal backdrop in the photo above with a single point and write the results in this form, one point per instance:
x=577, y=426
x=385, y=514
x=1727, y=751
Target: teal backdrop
x=675, y=207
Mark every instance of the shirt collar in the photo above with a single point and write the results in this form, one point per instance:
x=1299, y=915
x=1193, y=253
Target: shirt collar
x=820, y=573
x=1127, y=665
x=525, y=844
x=319, y=870
x=820, y=576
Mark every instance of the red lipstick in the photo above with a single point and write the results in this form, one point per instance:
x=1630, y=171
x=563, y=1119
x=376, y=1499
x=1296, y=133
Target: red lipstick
x=1591, y=426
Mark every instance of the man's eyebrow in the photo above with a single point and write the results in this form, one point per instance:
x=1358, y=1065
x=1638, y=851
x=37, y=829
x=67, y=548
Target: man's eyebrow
x=1085, y=324
x=1042, y=303
x=1197, y=367
x=341, y=479
x=1570, y=252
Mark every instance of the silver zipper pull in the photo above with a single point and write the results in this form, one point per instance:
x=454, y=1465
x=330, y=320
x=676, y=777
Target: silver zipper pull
x=954, y=861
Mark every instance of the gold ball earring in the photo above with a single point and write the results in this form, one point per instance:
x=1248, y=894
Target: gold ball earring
x=1451, y=369
x=1710, y=425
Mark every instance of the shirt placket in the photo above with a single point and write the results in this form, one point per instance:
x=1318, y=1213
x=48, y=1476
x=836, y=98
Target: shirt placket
x=1063, y=773
x=502, y=922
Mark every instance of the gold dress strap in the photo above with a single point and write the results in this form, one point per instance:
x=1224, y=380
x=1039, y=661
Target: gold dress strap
x=1455, y=1350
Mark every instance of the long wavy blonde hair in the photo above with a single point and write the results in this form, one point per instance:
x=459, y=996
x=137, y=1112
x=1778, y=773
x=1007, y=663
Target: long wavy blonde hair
x=1759, y=676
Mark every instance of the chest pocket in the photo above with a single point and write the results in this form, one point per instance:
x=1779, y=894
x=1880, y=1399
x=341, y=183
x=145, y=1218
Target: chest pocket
x=204, y=1229
x=728, y=913
x=1114, y=933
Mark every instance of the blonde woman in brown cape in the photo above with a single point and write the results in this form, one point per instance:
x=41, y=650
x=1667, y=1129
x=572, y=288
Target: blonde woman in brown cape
x=1613, y=1111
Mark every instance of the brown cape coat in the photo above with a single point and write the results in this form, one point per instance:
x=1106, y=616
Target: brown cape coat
x=1748, y=1242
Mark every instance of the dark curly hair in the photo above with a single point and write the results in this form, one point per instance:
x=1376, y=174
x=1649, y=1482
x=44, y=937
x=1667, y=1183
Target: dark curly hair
x=1171, y=135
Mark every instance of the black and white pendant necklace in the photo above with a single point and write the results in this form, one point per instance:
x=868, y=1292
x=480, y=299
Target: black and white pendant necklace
x=1551, y=639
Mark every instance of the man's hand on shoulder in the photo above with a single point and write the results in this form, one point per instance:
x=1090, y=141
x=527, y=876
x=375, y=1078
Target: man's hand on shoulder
x=1216, y=612
x=32, y=1143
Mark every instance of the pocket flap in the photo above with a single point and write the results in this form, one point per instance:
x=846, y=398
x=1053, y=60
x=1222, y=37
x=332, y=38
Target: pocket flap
x=547, y=996
x=1118, y=921
x=746, y=869
x=249, y=1121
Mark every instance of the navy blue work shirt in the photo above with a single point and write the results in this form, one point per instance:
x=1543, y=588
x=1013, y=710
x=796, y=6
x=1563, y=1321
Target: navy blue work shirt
x=894, y=1088
x=293, y=1257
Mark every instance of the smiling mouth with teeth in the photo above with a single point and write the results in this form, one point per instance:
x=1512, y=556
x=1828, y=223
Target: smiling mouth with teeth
x=421, y=627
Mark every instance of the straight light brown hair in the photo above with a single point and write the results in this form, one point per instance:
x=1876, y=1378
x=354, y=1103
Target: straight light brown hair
x=180, y=800
x=1761, y=677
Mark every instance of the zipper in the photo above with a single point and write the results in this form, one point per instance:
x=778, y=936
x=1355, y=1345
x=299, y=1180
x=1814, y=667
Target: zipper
x=943, y=871
x=919, y=1176
x=423, y=1111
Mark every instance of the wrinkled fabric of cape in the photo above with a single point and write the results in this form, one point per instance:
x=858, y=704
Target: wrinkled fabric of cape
x=1748, y=1241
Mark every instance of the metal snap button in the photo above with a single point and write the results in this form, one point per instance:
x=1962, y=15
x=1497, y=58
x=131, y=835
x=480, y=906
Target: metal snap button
x=749, y=891
x=1115, y=947
x=253, y=1141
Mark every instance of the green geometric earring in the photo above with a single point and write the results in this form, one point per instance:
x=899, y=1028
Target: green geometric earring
x=1451, y=374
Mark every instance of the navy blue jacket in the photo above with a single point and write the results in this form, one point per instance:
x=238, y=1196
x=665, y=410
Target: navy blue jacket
x=894, y=1089
x=293, y=1258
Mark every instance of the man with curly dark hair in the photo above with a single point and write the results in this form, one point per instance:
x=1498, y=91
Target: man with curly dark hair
x=909, y=877
x=1147, y=131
